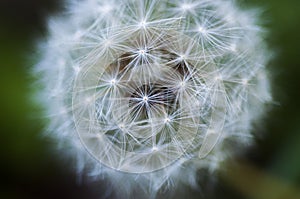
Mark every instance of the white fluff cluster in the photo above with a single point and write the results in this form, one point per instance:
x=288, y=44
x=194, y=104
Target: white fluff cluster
x=146, y=92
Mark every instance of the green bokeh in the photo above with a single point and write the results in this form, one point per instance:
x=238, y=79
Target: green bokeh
x=30, y=169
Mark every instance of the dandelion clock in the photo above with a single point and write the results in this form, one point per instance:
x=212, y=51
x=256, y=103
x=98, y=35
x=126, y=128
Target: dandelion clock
x=144, y=93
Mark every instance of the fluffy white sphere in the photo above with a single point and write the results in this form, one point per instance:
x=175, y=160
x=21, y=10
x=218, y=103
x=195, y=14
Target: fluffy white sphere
x=149, y=91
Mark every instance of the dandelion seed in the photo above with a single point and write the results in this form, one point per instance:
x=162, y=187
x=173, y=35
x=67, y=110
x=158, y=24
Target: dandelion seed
x=143, y=24
x=142, y=52
x=233, y=47
x=154, y=149
x=105, y=9
x=182, y=84
x=186, y=6
x=202, y=30
x=107, y=43
x=145, y=99
x=181, y=57
x=245, y=82
x=167, y=120
x=112, y=82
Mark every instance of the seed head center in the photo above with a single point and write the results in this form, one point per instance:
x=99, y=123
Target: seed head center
x=145, y=98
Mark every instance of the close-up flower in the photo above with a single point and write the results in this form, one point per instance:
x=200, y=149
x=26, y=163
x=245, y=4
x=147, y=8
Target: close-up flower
x=152, y=90
x=149, y=99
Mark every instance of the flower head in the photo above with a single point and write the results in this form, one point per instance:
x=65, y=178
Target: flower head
x=141, y=88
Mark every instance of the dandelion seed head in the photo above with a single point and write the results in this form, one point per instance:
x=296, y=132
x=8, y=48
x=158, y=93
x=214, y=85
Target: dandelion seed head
x=150, y=91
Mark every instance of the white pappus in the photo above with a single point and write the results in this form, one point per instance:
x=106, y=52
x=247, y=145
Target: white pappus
x=146, y=92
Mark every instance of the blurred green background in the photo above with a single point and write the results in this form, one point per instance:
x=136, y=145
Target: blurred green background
x=29, y=169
